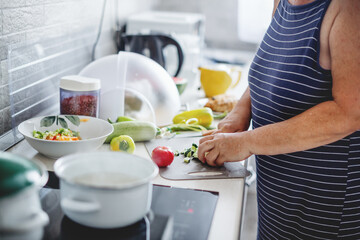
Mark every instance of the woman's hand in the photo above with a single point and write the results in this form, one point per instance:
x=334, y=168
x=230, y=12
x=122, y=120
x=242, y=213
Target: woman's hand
x=238, y=120
x=223, y=147
x=233, y=123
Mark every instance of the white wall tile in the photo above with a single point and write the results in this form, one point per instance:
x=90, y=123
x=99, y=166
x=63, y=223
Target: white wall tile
x=19, y=19
x=4, y=96
x=12, y=3
x=28, y=21
x=1, y=24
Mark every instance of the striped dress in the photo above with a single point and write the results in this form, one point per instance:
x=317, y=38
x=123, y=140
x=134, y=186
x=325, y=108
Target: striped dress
x=313, y=194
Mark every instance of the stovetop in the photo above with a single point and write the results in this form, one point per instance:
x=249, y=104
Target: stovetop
x=176, y=213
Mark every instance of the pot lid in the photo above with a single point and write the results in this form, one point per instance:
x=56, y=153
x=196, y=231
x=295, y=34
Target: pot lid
x=16, y=173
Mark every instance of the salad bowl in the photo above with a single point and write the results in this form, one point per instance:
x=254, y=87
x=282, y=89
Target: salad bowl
x=91, y=131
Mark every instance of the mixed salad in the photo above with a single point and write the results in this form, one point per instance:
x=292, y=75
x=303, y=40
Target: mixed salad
x=61, y=134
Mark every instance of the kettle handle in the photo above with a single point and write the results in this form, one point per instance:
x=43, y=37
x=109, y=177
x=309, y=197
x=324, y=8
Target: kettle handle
x=170, y=41
x=239, y=70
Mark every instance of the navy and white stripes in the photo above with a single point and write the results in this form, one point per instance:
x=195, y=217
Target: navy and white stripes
x=313, y=194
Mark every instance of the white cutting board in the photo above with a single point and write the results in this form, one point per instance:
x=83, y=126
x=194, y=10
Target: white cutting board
x=179, y=170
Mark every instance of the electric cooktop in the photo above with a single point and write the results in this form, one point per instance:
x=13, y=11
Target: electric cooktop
x=176, y=213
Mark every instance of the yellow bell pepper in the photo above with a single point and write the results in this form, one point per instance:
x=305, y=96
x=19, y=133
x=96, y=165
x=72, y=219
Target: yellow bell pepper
x=202, y=116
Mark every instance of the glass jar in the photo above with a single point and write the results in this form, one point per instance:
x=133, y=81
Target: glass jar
x=79, y=96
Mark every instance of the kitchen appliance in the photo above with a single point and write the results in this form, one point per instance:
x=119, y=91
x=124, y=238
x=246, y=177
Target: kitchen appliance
x=179, y=170
x=176, y=213
x=186, y=28
x=21, y=216
x=105, y=189
x=155, y=96
x=152, y=45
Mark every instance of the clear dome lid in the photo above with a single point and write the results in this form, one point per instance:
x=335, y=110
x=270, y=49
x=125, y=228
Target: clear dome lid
x=127, y=77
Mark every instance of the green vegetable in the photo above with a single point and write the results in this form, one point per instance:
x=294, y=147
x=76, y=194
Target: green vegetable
x=220, y=116
x=185, y=127
x=122, y=143
x=190, y=153
x=137, y=130
x=122, y=119
x=187, y=151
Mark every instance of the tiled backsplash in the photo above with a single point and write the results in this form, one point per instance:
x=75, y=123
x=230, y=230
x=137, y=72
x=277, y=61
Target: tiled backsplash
x=42, y=40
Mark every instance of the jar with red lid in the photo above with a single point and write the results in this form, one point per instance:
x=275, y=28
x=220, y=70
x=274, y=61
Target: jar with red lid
x=79, y=96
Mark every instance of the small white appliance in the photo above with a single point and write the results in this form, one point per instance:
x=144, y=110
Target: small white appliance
x=187, y=28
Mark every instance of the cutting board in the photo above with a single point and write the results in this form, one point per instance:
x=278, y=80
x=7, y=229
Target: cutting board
x=179, y=170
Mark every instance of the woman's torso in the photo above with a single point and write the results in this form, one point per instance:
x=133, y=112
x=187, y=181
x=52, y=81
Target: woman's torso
x=310, y=194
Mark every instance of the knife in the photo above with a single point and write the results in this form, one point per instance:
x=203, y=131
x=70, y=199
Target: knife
x=188, y=135
x=193, y=134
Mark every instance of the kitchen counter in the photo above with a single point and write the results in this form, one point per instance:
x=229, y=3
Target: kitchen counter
x=227, y=217
x=228, y=213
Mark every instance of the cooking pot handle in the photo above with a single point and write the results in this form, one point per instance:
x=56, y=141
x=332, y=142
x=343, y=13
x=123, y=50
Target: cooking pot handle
x=79, y=206
x=39, y=219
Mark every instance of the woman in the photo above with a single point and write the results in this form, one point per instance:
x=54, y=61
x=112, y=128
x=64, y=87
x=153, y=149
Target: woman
x=304, y=102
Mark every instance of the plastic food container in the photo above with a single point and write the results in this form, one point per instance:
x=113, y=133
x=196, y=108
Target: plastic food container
x=79, y=96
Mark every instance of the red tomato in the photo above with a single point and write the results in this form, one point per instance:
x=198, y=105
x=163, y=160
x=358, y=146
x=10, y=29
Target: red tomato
x=162, y=156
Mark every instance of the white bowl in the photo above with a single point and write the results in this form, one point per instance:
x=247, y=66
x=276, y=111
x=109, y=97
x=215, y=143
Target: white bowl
x=93, y=132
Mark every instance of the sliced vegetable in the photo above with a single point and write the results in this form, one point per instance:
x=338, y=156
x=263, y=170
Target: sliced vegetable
x=187, y=160
x=122, y=143
x=203, y=115
x=190, y=153
x=61, y=134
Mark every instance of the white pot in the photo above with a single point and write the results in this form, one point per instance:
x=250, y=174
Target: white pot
x=21, y=215
x=105, y=206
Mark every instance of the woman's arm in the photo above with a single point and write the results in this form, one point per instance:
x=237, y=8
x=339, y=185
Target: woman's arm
x=328, y=121
x=238, y=119
x=325, y=123
x=276, y=3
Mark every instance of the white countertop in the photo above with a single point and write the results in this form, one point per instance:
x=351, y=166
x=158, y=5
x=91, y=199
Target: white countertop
x=227, y=218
